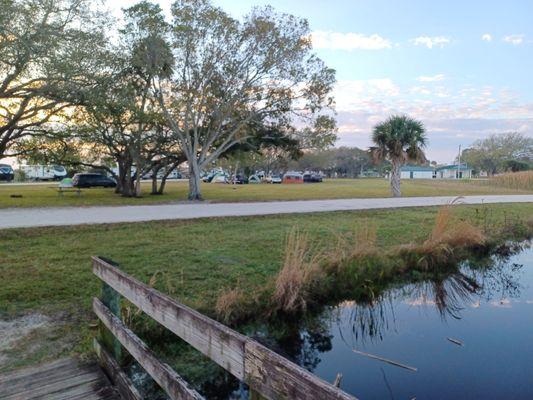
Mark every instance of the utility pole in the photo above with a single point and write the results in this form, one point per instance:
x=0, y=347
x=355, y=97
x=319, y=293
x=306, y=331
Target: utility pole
x=459, y=163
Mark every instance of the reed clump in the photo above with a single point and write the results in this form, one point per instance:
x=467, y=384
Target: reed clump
x=522, y=180
x=301, y=272
x=449, y=237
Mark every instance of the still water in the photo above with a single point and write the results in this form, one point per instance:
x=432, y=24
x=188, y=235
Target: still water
x=486, y=309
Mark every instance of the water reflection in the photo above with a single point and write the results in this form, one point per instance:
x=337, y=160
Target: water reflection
x=487, y=279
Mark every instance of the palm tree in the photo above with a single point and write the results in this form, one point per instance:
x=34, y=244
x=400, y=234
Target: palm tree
x=398, y=139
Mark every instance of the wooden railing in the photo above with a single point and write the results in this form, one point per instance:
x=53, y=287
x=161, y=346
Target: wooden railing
x=266, y=373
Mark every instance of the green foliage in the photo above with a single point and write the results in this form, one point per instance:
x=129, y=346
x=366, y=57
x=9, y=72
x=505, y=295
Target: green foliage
x=49, y=53
x=499, y=153
x=399, y=138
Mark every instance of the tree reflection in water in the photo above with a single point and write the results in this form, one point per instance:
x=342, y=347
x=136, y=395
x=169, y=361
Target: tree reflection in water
x=484, y=279
x=491, y=278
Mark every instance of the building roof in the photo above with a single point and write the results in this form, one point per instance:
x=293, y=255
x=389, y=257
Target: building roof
x=409, y=168
x=463, y=167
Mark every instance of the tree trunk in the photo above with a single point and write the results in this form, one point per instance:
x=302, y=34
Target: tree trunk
x=162, y=185
x=194, y=181
x=395, y=179
x=154, y=182
x=127, y=182
x=120, y=177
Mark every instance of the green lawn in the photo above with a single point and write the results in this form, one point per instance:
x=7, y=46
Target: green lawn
x=47, y=196
x=47, y=270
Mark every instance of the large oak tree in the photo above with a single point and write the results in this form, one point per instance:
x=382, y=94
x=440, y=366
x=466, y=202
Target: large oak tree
x=231, y=78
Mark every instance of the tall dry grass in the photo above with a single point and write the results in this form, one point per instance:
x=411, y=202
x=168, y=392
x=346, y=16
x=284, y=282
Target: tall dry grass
x=448, y=236
x=300, y=272
x=514, y=180
x=230, y=305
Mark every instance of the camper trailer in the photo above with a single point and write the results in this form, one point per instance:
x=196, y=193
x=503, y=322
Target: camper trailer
x=293, y=177
x=44, y=172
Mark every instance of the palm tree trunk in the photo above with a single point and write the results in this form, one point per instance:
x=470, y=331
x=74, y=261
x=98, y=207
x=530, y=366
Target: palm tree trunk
x=395, y=178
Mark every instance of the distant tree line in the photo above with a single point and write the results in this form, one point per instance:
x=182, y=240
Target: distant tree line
x=506, y=152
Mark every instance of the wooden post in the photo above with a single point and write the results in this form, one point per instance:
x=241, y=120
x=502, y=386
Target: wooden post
x=111, y=299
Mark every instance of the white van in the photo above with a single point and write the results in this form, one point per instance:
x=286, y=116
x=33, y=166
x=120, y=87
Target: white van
x=44, y=172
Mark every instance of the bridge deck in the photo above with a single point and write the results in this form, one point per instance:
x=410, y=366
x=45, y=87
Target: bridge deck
x=65, y=379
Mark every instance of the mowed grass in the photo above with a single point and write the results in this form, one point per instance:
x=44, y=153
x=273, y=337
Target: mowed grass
x=48, y=270
x=46, y=195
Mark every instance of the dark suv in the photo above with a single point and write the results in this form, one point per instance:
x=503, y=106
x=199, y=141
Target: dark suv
x=6, y=173
x=92, y=180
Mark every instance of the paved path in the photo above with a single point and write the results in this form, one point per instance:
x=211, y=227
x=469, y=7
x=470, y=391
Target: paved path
x=32, y=217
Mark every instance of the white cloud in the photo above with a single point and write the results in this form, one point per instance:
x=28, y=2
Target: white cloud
x=434, y=78
x=350, y=94
x=514, y=39
x=420, y=90
x=431, y=42
x=487, y=37
x=348, y=41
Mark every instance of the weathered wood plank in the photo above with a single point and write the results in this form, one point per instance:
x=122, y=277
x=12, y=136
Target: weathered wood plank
x=46, y=379
x=276, y=377
x=64, y=379
x=165, y=376
x=221, y=344
x=121, y=381
x=23, y=373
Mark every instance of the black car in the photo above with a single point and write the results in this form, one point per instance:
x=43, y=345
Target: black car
x=6, y=173
x=92, y=180
x=240, y=179
x=312, y=178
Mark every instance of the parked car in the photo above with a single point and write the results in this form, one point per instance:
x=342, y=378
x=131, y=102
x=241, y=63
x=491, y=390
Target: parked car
x=6, y=173
x=310, y=177
x=240, y=179
x=276, y=179
x=93, y=180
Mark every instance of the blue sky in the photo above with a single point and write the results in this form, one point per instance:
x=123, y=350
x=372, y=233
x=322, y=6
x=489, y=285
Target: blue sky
x=462, y=67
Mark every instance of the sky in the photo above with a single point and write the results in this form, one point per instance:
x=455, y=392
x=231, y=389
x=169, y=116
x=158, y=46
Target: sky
x=464, y=68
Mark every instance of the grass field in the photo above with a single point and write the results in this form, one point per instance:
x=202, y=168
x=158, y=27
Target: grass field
x=47, y=271
x=47, y=196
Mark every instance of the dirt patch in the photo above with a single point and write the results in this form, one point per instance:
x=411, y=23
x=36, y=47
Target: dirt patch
x=31, y=338
x=17, y=329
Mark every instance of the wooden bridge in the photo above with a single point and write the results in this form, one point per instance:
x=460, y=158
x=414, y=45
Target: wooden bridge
x=267, y=374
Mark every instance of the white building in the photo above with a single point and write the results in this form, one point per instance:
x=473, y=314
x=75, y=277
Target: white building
x=417, y=172
x=454, y=172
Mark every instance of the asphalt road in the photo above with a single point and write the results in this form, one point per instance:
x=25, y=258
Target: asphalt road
x=34, y=217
